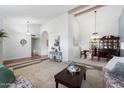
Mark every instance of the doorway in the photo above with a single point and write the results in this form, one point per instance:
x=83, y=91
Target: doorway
x=35, y=49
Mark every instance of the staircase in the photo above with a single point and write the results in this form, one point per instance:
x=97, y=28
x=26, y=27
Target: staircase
x=25, y=63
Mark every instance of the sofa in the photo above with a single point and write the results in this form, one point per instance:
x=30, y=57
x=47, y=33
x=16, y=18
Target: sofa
x=114, y=73
x=9, y=80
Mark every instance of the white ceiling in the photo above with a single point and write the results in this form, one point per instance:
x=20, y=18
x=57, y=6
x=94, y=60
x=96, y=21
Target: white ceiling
x=37, y=14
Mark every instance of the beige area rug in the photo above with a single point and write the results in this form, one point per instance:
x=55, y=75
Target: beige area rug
x=42, y=75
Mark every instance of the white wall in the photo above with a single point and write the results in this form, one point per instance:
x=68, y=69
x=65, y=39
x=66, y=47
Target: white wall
x=12, y=47
x=58, y=27
x=106, y=23
x=121, y=32
x=74, y=32
x=34, y=29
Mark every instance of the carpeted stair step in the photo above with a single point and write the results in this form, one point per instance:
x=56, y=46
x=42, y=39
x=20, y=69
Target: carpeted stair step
x=24, y=63
x=19, y=63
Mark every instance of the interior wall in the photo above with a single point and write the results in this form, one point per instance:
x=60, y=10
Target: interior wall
x=121, y=30
x=58, y=27
x=106, y=23
x=44, y=38
x=73, y=37
x=35, y=29
x=12, y=47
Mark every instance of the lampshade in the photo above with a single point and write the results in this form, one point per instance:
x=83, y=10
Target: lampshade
x=95, y=36
x=27, y=33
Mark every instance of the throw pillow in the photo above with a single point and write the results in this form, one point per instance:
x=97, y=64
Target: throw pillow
x=118, y=71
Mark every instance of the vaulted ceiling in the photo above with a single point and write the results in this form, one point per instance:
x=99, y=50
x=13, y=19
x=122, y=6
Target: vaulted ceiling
x=34, y=13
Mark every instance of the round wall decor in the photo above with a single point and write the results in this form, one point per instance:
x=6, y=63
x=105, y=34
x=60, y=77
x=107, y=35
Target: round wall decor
x=23, y=42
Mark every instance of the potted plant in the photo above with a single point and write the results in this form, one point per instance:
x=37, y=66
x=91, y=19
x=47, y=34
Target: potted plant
x=2, y=34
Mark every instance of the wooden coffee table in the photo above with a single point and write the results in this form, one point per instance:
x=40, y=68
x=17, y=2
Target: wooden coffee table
x=72, y=81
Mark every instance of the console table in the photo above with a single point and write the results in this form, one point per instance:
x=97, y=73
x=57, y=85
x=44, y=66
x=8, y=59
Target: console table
x=56, y=56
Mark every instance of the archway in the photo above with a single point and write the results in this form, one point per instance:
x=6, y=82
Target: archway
x=44, y=44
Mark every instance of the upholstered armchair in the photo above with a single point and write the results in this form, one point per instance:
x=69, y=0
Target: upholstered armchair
x=9, y=80
x=113, y=80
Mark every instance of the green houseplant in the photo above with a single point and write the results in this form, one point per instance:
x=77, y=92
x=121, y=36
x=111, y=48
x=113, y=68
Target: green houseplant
x=2, y=34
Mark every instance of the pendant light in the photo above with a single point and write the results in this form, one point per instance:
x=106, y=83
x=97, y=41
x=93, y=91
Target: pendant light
x=28, y=33
x=95, y=35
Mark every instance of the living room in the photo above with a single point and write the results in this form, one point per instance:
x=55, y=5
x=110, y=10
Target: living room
x=46, y=43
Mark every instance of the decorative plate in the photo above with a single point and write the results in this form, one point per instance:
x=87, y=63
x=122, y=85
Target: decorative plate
x=23, y=41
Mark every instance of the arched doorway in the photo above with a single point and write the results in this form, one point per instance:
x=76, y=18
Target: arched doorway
x=44, y=44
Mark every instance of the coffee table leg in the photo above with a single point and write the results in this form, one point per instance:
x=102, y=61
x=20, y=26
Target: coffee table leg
x=84, y=76
x=56, y=84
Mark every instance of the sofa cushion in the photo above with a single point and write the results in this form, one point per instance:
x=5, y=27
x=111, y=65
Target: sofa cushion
x=6, y=77
x=22, y=82
x=118, y=71
x=111, y=64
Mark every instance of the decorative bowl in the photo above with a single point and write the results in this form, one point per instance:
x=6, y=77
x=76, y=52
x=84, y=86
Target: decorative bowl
x=73, y=68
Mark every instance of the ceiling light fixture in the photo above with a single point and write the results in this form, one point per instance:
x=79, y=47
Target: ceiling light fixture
x=95, y=35
x=28, y=33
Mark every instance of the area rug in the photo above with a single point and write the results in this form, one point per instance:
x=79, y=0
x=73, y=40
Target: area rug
x=42, y=75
